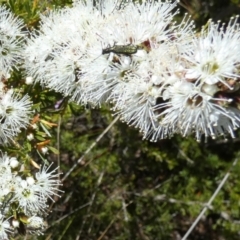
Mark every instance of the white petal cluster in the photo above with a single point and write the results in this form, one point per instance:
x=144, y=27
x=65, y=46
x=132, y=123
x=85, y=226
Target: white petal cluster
x=160, y=77
x=15, y=112
x=36, y=225
x=205, y=97
x=5, y=228
x=26, y=194
x=11, y=42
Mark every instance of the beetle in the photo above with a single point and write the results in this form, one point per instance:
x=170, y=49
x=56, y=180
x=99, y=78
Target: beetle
x=121, y=49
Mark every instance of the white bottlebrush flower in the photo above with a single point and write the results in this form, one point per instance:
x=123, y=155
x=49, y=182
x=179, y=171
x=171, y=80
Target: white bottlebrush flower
x=11, y=41
x=137, y=23
x=102, y=76
x=47, y=183
x=28, y=198
x=103, y=8
x=159, y=76
x=41, y=44
x=35, y=222
x=28, y=194
x=141, y=87
x=6, y=189
x=215, y=55
x=198, y=88
x=5, y=167
x=134, y=32
x=37, y=56
x=75, y=63
x=5, y=228
x=7, y=178
x=64, y=66
x=14, y=114
x=181, y=36
x=35, y=225
x=58, y=60
x=134, y=101
x=9, y=24
x=204, y=98
x=188, y=111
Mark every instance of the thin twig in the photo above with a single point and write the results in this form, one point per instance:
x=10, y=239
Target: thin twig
x=67, y=215
x=90, y=148
x=165, y=198
x=183, y=154
x=58, y=143
x=126, y=219
x=210, y=201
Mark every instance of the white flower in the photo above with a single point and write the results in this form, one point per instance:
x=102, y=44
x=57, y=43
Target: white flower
x=189, y=110
x=215, y=57
x=63, y=69
x=134, y=103
x=75, y=63
x=141, y=88
x=47, y=183
x=36, y=224
x=5, y=228
x=203, y=97
x=11, y=39
x=14, y=114
x=127, y=39
x=5, y=167
x=28, y=198
x=7, y=178
x=181, y=36
x=9, y=184
x=160, y=77
x=59, y=60
x=137, y=23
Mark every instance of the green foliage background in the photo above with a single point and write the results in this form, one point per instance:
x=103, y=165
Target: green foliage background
x=126, y=187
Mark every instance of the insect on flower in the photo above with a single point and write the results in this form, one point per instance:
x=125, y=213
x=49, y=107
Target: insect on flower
x=121, y=49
